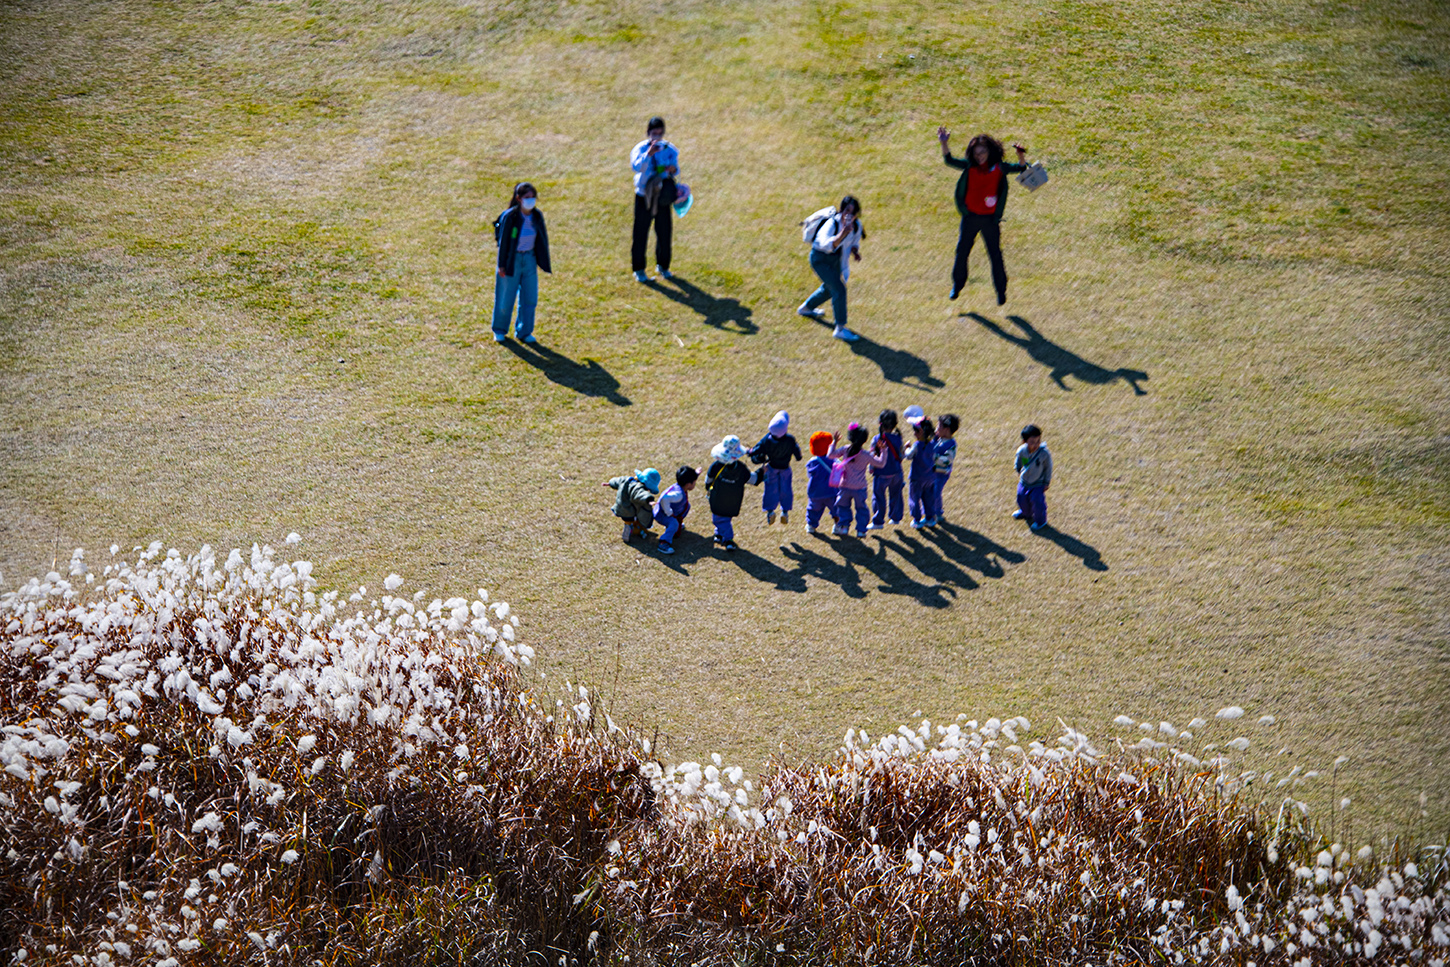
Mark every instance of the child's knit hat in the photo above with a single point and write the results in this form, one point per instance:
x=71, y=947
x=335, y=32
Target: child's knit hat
x=650, y=478
x=820, y=443
x=778, y=423
x=728, y=450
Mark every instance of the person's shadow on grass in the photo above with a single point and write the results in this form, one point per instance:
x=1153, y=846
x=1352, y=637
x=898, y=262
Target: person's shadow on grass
x=720, y=313
x=897, y=365
x=810, y=563
x=587, y=378
x=971, y=549
x=1061, y=362
x=763, y=570
x=1091, y=558
x=893, y=579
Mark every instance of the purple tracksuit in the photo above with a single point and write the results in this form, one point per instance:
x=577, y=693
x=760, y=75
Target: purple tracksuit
x=922, y=491
x=945, y=454
x=886, y=482
x=671, y=510
x=820, y=495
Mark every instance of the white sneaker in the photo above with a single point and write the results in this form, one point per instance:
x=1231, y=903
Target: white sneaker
x=812, y=530
x=640, y=276
x=873, y=526
x=809, y=313
x=840, y=529
x=843, y=333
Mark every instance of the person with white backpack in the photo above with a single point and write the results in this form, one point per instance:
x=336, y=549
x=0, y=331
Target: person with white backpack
x=835, y=236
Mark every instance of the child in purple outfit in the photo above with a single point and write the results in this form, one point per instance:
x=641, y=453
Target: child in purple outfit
x=853, y=459
x=921, y=493
x=776, y=450
x=886, y=482
x=945, y=455
x=674, y=505
x=820, y=495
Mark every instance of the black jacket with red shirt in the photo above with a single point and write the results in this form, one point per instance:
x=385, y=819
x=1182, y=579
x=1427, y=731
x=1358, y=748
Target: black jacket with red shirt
x=960, y=195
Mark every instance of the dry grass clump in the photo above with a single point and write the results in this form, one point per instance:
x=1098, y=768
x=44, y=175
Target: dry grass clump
x=208, y=764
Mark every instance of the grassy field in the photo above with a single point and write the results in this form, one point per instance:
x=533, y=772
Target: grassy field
x=246, y=276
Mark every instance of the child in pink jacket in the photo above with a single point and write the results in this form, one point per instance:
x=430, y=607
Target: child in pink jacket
x=851, y=462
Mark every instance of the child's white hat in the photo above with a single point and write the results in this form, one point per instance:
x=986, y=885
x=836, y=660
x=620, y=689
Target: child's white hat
x=728, y=450
x=914, y=414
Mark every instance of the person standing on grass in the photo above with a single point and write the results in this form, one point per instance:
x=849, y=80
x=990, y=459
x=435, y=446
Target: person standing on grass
x=1034, y=476
x=523, y=249
x=981, y=195
x=853, y=459
x=656, y=164
x=776, y=450
x=836, y=239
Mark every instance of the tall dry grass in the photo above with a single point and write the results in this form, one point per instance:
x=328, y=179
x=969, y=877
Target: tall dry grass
x=211, y=763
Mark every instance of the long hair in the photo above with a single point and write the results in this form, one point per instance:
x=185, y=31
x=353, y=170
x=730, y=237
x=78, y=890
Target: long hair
x=857, y=435
x=993, y=146
x=924, y=430
x=519, y=190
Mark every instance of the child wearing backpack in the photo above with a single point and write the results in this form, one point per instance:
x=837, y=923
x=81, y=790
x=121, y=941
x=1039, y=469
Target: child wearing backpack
x=849, y=474
x=776, y=450
x=725, y=481
x=834, y=236
x=886, y=482
x=820, y=495
x=674, y=506
x=634, y=501
x=921, y=491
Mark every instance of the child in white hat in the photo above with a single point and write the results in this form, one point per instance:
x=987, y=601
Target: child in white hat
x=725, y=482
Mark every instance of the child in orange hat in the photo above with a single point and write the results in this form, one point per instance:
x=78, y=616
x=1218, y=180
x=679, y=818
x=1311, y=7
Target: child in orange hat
x=819, y=492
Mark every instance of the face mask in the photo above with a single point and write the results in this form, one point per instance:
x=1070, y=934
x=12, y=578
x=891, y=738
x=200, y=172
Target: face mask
x=527, y=204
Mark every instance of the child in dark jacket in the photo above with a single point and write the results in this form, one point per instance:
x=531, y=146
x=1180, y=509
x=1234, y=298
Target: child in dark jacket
x=674, y=506
x=886, y=482
x=634, y=500
x=776, y=450
x=820, y=495
x=921, y=491
x=725, y=481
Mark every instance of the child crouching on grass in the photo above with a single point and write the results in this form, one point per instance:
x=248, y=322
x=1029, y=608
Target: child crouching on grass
x=634, y=500
x=1034, y=474
x=725, y=481
x=674, y=506
x=820, y=495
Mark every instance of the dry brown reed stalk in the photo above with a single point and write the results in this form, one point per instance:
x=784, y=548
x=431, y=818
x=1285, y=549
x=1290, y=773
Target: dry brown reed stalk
x=213, y=765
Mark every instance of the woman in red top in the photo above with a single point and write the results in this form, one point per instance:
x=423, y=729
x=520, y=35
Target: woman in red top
x=980, y=196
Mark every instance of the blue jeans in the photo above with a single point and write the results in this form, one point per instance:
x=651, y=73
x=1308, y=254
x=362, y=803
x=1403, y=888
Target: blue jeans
x=523, y=285
x=844, y=499
x=778, y=491
x=828, y=267
x=885, y=489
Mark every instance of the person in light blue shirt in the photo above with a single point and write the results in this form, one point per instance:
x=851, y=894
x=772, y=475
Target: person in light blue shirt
x=656, y=163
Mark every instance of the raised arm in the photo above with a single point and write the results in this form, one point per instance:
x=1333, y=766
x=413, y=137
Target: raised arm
x=944, y=136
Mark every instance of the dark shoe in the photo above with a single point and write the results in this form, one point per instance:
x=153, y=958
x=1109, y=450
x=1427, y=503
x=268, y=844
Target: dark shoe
x=1001, y=298
x=954, y=293
x=729, y=545
x=1017, y=515
x=1037, y=525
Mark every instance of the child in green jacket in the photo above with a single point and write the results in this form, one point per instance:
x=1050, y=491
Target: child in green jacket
x=635, y=501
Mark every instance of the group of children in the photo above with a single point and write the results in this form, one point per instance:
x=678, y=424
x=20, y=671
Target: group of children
x=836, y=479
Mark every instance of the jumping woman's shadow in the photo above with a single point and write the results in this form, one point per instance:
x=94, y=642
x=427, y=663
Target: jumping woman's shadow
x=717, y=312
x=1061, y=362
x=897, y=365
x=587, y=378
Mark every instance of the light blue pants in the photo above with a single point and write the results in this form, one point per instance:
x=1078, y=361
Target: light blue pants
x=523, y=285
x=828, y=267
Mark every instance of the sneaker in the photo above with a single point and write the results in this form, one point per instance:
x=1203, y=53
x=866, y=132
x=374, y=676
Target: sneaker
x=954, y=293
x=896, y=522
x=628, y=533
x=718, y=539
x=929, y=522
x=810, y=313
x=785, y=517
x=812, y=530
x=730, y=546
x=1016, y=515
x=1037, y=525
x=665, y=272
x=840, y=529
x=528, y=339
x=770, y=518
x=918, y=524
x=640, y=276
x=873, y=526
x=499, y=337
x=666, y=548
x=843, y=333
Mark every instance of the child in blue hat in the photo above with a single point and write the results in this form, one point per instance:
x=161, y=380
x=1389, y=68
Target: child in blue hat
x=635, y=501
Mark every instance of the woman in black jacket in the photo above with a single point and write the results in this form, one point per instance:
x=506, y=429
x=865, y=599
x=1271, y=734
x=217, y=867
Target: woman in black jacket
x=523, y=249
x=981, y=194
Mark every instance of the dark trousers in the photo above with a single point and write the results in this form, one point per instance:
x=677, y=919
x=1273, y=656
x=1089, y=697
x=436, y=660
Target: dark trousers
x=664, y=227
x=991, y=231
